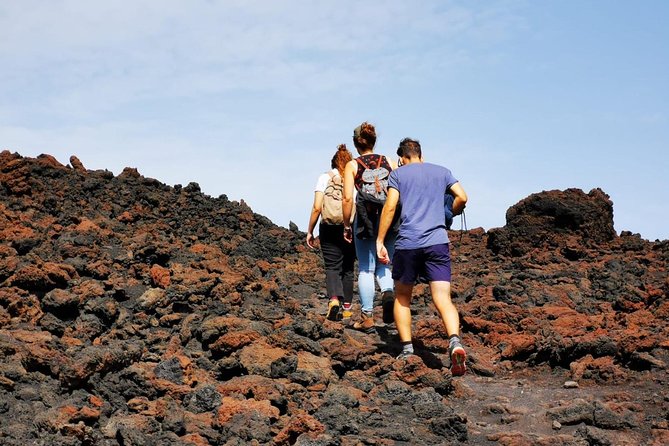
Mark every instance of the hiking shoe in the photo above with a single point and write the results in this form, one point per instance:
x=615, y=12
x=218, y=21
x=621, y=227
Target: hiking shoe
x=365, y=324
x=388, y=304
x=346, y=313
x=333, y=310
x=404, y=356
x=458, y=359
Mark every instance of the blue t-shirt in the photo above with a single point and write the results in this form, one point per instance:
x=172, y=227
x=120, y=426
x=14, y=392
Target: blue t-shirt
x=421, y=187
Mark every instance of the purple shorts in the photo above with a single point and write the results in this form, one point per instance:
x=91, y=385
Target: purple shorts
x=432, y=263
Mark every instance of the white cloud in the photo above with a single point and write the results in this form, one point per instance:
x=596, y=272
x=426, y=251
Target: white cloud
x=82, y=58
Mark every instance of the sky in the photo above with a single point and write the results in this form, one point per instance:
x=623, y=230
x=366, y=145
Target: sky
x=250, y=98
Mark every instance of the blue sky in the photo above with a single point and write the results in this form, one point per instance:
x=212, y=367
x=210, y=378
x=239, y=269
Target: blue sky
x=251, y=98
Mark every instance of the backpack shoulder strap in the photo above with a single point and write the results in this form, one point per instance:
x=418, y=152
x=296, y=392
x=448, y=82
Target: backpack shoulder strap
x=362, y=163
x=379, y=160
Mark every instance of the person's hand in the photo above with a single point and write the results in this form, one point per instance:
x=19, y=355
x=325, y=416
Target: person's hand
x=311, y=240
x=348, y=234
x=382, y=253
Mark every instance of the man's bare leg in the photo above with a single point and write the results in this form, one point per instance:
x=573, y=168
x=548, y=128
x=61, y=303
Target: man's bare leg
x=402, y=313
x=402, y=310
x=441, y=296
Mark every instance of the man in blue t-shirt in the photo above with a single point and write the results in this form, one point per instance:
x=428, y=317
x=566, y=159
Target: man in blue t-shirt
x=421, y=247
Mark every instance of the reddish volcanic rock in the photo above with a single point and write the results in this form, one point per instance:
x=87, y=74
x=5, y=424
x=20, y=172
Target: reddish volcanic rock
x=233, y=341
x=550, y=219
x=244, y=409
x=132, y=312
x=600, y=370
x=299, y=424
x=257, y=358
x=77, y=165
x=43, y=277
x=160, y=276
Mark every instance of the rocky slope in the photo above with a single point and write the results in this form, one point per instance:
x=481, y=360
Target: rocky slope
x=134, y=313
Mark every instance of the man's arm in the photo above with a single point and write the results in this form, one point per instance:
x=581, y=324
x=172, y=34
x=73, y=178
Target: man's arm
x=387, y=215
x=460, y=198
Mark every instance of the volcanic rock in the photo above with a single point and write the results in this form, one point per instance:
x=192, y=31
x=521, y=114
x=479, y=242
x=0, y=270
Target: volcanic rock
x=132, y=312
x=566, y=219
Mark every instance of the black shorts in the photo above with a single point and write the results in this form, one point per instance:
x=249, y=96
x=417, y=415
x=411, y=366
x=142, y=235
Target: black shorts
x=432, y=262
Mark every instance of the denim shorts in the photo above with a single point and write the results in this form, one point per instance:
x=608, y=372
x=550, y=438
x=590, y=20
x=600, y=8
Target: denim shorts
x=432, y=263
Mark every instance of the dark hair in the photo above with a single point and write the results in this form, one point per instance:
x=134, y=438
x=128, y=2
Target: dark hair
x=364, y=136
x=340, y=158
x=409, y=147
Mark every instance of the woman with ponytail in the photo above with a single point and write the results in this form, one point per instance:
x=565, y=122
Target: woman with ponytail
x=365, y=186
x=338, y=254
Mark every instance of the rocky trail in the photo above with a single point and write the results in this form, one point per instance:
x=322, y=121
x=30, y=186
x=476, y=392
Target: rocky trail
x=136, y=313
